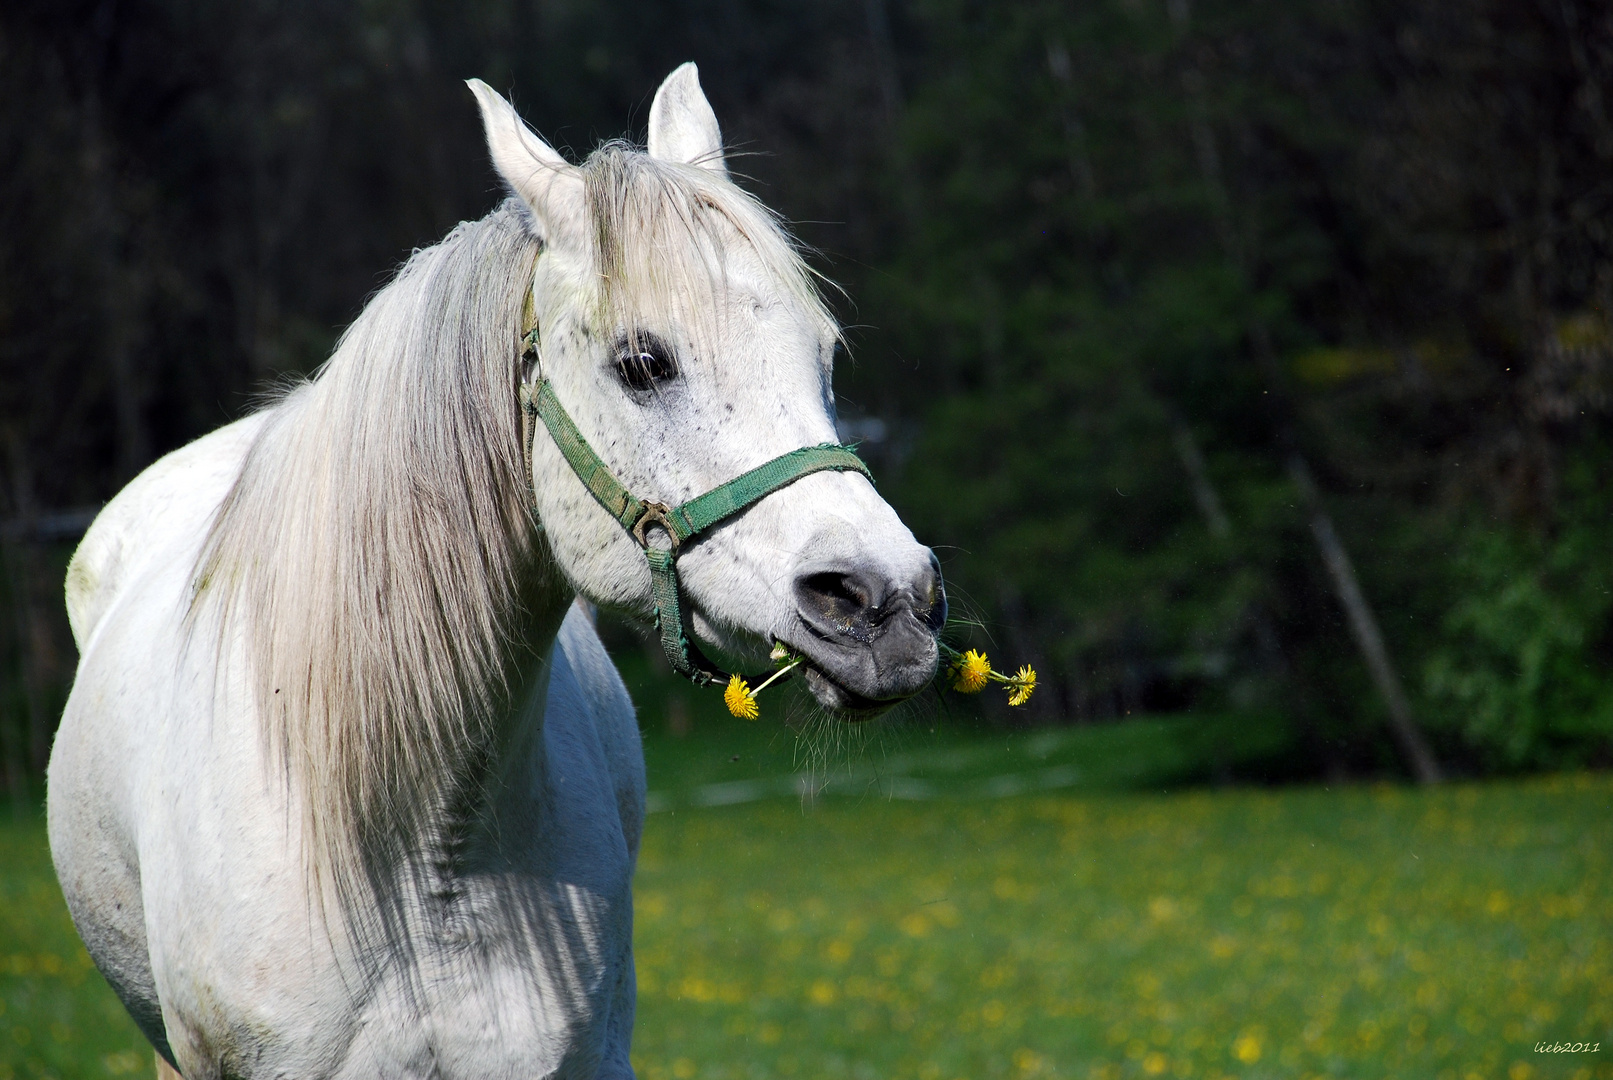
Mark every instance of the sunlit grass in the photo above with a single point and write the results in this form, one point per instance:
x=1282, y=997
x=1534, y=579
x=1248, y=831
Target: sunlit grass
x=1363, y=932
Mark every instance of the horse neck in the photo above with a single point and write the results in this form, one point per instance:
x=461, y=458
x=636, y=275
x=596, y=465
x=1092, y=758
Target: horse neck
x=545, y=599
x=466, y=809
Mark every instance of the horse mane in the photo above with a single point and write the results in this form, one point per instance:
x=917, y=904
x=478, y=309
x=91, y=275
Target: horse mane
x=374, y=546
x=376, y=553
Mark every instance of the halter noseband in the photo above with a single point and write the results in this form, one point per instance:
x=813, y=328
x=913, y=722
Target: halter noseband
x=681, y=523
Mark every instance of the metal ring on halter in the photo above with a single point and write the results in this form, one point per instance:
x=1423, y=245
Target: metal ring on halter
x=655, y=514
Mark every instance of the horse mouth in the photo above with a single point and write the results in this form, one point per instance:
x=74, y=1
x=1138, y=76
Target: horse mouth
x=844, y=682
x=839, y=698
x=844, y=702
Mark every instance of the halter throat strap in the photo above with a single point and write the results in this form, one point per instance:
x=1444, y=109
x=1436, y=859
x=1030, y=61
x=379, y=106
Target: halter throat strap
x=681, y=523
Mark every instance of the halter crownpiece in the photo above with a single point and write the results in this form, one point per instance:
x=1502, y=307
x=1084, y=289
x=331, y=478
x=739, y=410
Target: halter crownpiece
x=680, y=523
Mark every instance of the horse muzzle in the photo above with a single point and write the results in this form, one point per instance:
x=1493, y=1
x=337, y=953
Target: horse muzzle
x=868, y=635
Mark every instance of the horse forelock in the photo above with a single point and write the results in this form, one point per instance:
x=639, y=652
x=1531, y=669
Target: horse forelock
x=660, y=234
x=374, y=552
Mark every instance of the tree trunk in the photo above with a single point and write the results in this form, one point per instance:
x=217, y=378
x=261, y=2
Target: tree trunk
x=1364, y=628
x=1198, y=477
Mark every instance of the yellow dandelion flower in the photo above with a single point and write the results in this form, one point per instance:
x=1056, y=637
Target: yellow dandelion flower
x=970, y=676
x=1022, y=685
x=740, y=701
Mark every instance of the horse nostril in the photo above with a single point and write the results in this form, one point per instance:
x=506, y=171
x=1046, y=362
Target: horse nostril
x=839, y=603
x=867, y=630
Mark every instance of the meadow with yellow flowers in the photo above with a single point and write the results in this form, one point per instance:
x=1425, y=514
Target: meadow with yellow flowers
x=1362, y=931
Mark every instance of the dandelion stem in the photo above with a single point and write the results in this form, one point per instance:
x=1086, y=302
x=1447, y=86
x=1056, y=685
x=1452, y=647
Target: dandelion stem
x=777, y=675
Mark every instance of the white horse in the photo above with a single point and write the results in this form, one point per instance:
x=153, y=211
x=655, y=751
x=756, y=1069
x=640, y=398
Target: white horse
x=346, y=786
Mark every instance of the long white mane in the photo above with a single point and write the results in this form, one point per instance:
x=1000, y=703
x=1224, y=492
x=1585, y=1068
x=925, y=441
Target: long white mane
x=377, y=551
x=376, y=545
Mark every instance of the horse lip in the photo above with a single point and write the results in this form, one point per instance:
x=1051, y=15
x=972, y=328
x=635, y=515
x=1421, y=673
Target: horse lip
x=822, y=656
x=854, y=706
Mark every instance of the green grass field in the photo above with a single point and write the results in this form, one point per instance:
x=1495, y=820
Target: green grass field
x=917, y=919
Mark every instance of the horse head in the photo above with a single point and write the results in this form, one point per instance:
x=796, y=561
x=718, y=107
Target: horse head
x=688, y=343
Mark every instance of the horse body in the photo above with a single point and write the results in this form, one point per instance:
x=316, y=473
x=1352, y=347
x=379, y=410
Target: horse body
x=346, y=785
x=175, y=842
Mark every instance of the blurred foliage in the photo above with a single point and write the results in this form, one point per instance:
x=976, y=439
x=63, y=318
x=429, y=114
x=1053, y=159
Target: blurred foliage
x=1109, y=266
x=1110, y=210
x=1521, y=667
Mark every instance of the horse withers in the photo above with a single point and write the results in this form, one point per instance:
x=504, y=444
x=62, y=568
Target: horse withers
x=346, y=785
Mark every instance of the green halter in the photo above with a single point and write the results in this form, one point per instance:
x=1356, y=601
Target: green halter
x=681, y=523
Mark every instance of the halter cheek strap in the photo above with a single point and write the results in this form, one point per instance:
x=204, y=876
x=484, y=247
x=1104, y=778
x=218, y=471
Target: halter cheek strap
x=681, y=523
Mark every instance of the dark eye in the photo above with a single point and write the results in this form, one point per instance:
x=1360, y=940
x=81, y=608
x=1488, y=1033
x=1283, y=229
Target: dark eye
x=643, y=361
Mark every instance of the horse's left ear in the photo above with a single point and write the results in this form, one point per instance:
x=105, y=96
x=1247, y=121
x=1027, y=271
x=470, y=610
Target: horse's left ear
x=682, y=125
x=534, y=170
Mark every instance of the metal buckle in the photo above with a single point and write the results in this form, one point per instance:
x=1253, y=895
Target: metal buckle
x=654, y=514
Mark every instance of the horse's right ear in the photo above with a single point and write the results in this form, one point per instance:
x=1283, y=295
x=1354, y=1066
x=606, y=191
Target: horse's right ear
x=531, y=167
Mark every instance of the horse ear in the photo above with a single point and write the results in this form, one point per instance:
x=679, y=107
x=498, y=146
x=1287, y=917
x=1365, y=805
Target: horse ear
x=682, y=125
x=531, y=167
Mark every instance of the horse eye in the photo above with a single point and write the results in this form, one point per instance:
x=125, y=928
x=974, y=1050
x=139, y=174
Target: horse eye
x=644, y=364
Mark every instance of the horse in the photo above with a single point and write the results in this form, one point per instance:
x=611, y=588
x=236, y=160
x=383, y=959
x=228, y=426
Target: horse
x=346, y=785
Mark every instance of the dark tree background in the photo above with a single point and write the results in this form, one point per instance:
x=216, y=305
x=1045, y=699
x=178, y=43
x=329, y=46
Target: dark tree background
x=1172, y=323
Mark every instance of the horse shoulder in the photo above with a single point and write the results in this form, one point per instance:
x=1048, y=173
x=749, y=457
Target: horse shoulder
x=173, y=498
x=611, y=711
